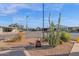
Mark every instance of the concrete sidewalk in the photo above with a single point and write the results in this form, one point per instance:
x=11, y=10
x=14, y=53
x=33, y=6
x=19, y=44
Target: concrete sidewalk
x=75, y=50
x=13, y=53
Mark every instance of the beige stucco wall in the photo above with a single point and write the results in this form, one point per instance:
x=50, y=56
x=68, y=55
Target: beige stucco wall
x=1, y=29
x=15, y=30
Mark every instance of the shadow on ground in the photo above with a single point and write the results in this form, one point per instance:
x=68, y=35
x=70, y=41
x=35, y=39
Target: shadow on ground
x=59, y=55
x=74, y=54
x=30, y=47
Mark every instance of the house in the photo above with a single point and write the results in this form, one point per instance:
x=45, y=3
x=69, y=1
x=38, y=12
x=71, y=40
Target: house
x=8, y=29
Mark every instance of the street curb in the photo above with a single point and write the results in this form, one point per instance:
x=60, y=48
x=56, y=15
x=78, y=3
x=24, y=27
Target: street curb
x=4, y=52
x=27, y=53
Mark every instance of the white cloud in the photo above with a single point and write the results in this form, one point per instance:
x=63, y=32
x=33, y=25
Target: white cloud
x=6, y=9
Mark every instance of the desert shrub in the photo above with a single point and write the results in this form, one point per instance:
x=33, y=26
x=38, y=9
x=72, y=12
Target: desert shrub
x=65, y=36
x=20, y=35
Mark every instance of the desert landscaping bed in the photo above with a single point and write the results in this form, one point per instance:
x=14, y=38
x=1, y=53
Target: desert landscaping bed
x=63, y=49
x=60, y=50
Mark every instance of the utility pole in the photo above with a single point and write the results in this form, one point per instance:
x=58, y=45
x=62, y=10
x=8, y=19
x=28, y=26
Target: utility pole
x=43, y=20
x=49, y=18
x=27, y=23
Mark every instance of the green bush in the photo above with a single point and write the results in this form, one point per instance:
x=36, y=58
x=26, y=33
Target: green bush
x=65, y=36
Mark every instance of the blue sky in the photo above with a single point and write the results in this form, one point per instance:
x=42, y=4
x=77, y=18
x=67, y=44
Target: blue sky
x=16, y=13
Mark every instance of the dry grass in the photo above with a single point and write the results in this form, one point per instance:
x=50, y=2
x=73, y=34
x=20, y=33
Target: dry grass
x=24, y=42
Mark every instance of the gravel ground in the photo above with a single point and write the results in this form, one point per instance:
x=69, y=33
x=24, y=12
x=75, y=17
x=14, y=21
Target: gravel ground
x=45, y=50
x=60, y=50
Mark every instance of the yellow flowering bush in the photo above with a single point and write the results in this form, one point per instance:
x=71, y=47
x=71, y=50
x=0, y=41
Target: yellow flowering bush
x=66, y=37
x=77, y=39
